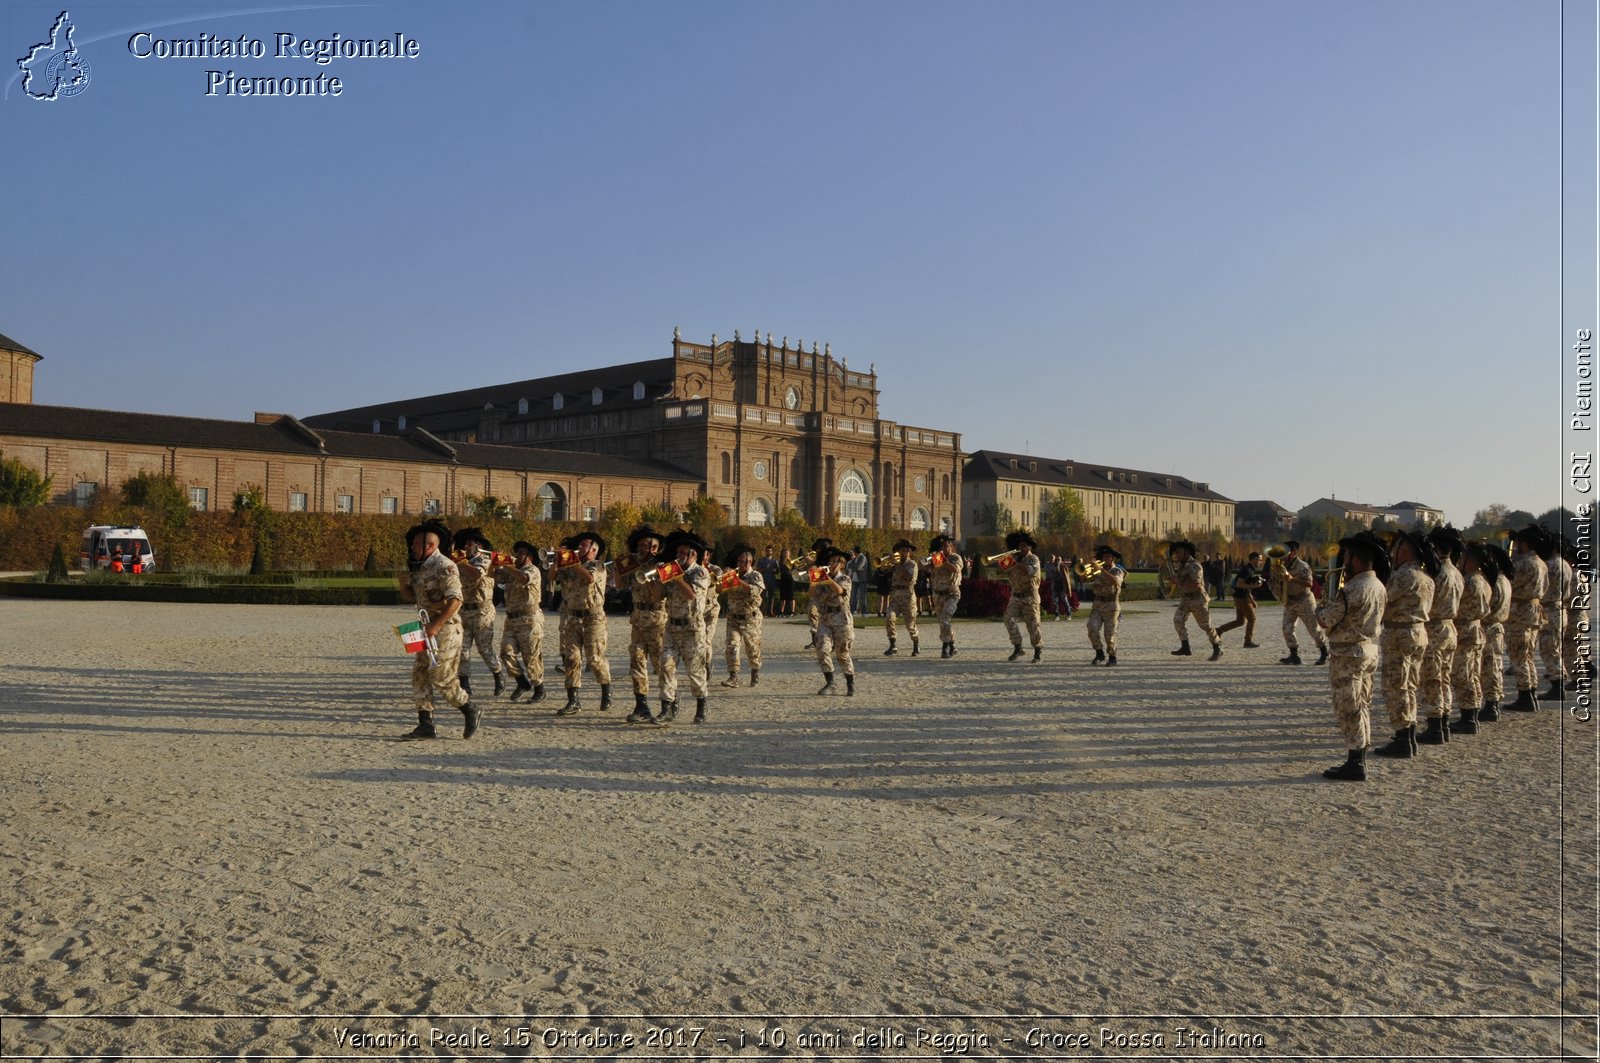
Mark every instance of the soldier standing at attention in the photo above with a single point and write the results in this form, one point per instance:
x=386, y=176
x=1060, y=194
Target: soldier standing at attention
x=1245, y=584
x=583, y=618
x=473, y=552
x=1553, y=633
x=434, y=583
x=1193, y=600
x=1492, y=673
x=1405, y=638
x=1465, y=682
x=945, y=582
x=1529, y=581
x=744, y=615
x=902, y=595
x=647, y=623
x=523, y=636
x=1106, y=609
x=1024, y=573
x=813, y=614
x=1299, y=604
x=1351, y=616
x=686, y=626
x=836, y=632
x=1439, y=660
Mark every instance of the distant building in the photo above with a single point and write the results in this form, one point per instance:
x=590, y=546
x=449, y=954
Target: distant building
x=1261, y=520
x=16, y=371
x=1341, y=510
x=1407, y=514
x=1129, y=501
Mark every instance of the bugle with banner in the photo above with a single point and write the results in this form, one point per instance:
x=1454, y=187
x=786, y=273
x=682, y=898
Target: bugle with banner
x=566, y=557
x=415, y=638
x=729, y=580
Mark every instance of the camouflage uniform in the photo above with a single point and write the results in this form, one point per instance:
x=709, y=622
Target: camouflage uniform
x=1106, y=609
x=945, y=581
x=1465, y=675
x=1300, y=604
x=583, y=623
x=713, y=609
x=524, y=631
x=902, y=599
x=1404, y=641
x=432, y=587
x=1529, y=579
x=744, y=623
x=1439, y=659
x=1193, y=603
x=1023, y=609
x=1492, y=673
x=1552, y=636
x=477, y=613
x=647, y=629
x=684, y=650
x=836, y=633
x=1351, y=617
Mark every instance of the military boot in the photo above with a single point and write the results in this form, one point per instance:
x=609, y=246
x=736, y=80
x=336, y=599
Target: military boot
x=1354, y=769
x=699, y=710
x=1434, y=734
x=424, y=728
x=1184, y=650
x=1525, y=702
x=1111, y=659
x=1322, y=655
x=522, y=687
x=1403, y=746
x=466, y=684
x=944, y=650
x=1468, y=724
x=571, y=707
x=1099, y=657
x=890, y=651
x=499, y=683
x=641, y=711
x=1555, y=693
x=1490, y=711
x=827, y=684
x=732, y=680
x=1216, y=652
x=669, y=711
x=916, y=647
x=1016, y=651
x=952, y=649
x=538, y=692
x=605, y=696
x=755, y=676
x=1038, y=651
x=1293, y=658
x=472, y=715
x=849, y=685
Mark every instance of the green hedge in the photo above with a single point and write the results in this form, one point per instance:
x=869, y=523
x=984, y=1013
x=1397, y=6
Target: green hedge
x=218, y=595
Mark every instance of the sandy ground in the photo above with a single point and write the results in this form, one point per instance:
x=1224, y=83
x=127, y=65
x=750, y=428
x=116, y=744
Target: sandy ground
x=213, y=844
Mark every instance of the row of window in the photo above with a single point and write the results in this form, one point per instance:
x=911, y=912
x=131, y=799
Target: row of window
x=552, y=501
x=1094, y=498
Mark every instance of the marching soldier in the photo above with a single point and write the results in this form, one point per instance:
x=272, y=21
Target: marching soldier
x=744, y=615
x=713, y=609
x=1351, y=617
x=582, y=580
x=1466, y=684
x=647, y=623
x=902, y=595
x=945, y=581
x=1299, y=604
x=1492, y=672
x=1439, y=660
x=1245, y=584
x=434, y=583
x=473, y=553
x=1553, y=633
x=1106, y=609
x=836, y=632
x=686, y=625
x=1405, y=638
x=523, y=636
x=1192, y=601
x=813, y=613
x=1529, y=581
x=1024, y=573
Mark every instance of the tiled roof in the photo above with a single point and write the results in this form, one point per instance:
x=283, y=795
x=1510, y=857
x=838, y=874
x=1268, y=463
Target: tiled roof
x=1082, y=475
x=9, y=344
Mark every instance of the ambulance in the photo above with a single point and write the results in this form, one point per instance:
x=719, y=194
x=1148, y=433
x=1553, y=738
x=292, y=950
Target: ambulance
x=116, y=548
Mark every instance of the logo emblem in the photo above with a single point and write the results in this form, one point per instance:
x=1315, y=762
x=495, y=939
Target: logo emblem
x=55, y=69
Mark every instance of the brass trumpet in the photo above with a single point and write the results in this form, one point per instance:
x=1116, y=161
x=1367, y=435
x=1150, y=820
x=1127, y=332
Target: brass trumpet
x=805, y=560
x=995, y=559
x=1088, y=569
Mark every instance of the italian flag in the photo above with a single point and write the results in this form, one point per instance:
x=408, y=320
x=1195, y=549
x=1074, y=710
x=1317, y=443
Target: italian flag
x=412, y=637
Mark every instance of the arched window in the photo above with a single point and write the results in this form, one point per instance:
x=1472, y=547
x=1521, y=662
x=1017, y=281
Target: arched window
x=853, y=502
x=944, y=488
x=597, y=396
x=377, y=425
x=919, y=519
x=557, y=401
x=401, y=423
x=522, y=406
x=758, y=514
x=727, y=467
x=638, y=389
x=552, y=503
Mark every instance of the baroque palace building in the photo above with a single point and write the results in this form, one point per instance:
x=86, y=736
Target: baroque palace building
x=766, y=427
x=1127, y=501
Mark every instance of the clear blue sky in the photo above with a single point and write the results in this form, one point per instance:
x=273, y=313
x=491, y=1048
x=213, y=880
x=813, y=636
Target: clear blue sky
x=1286, y=248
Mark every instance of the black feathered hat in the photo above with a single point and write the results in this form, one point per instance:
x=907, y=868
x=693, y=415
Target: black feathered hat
x=1183, y=544
x=1533, y=535
x=523, y=544
x=1503, y=565
x=1017, y=538
x=594, y=537
x=828, y=553
x=1427, y=556
x=643, y=532
x=820, y=545
x=467, y=536
x=1370, y=548
x=684, y=537
x=936, y=544
x=740, y=548
x=435, y=526
x=1106, y=548
x=906, y=546
x=1447, y=540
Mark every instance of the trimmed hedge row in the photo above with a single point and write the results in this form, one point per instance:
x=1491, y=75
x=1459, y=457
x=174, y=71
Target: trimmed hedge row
x=218, y=595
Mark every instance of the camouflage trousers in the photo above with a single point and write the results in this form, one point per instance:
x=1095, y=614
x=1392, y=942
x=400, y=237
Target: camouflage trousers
x=1350, y=671
x=477, y=633
x=813, y=618
x=1437, y=663
x=945, y=606
x=1466, y=684
x=902, y=604
x=523, y=637
x=743, y=630
x=1194, y=605
x=1552, y=636
x=1304, y=610
x=647, y=634
x=583, y=636
x=708, y=643
x=1103, y=618
x=439, y=683
x=1023, y=613
x=1491, y=674
x=1403, y=649
x=1521, y=637
x=683, y=652
x=835, y=636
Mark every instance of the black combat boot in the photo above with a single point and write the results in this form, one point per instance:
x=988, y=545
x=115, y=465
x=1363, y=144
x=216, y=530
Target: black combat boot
x=827, y=684
x=699, y=710
x=952, y=649
x=424, y=728
x=1216, y=652
x=1293, y=658
x=1322, y=655
x=523, y=686
x=1038, y=651
x=755, y=676
x=890, y=651
x=1111, y=659
x=849, y=685
x=499, y=683
x=466, y=685
x=1434, y=735
x=1490, y=711
x=605, y=696
x=473, y=715
x=1468, y=724
x=641, y=711
x=571, y=707
x=1184, y=650
x=669, y=711
x=1555, y=693
x=916, y=647
x=538, y=692
x=1099, y=656
x=732, y=680
x=1525, y=702
x=1354, y=769
x=1016, y=651
x=1444, y=726
x=1403, y=746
